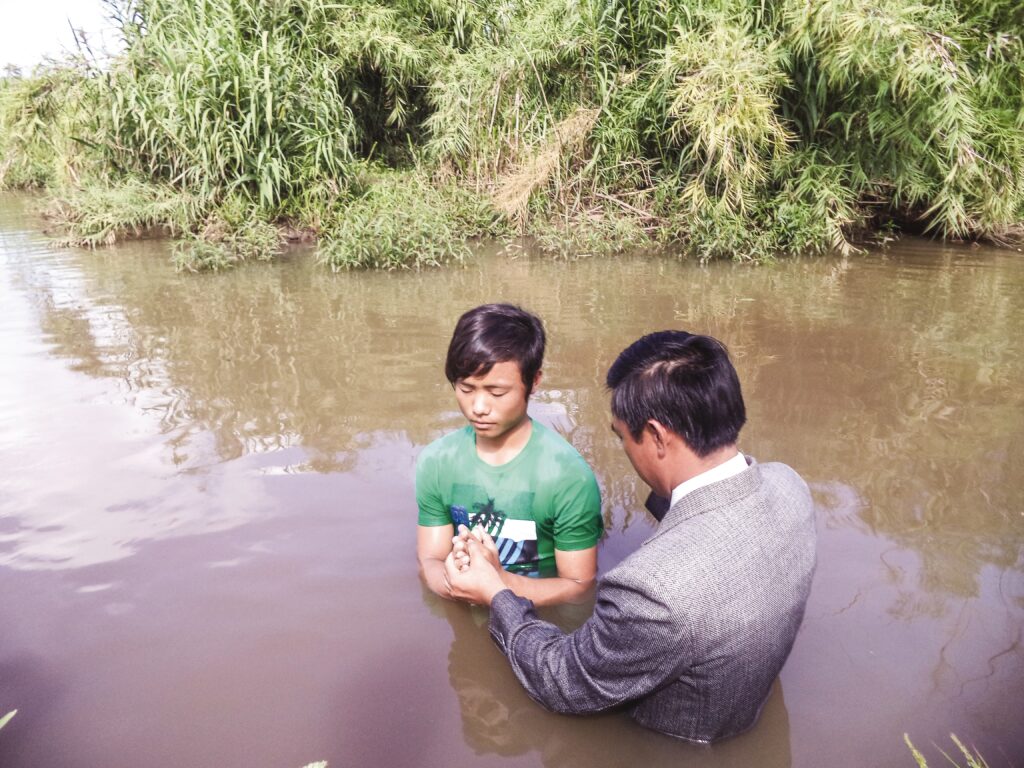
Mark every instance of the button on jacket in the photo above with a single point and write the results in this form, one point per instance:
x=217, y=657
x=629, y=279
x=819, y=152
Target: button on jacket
x=689, y=631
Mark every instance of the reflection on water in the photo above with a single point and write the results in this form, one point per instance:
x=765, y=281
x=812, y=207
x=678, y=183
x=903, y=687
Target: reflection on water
x=498, y=718
x=207, y=489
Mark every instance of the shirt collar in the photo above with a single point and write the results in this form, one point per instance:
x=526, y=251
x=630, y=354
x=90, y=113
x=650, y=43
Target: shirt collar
x=726, y=469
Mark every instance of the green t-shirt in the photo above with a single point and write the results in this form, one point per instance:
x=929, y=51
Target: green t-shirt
x=544, y=499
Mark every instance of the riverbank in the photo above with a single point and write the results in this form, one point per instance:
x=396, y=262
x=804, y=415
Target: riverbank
x=395, y=133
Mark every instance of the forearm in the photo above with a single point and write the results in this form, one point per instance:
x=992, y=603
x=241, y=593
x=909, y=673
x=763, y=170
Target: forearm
x=432, y=574
x=543, y=659
x=433, y=543
x=549, y=591
x=630, y=646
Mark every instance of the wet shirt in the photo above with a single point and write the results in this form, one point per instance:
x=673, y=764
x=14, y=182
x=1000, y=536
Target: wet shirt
x=544, y=499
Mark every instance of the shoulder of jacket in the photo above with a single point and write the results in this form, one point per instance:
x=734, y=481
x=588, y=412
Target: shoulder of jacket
x=782, y=474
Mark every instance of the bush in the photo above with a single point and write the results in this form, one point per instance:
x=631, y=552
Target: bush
x=402, y=220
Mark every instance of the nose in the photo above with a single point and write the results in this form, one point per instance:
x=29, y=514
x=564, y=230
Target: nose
x=481, y=404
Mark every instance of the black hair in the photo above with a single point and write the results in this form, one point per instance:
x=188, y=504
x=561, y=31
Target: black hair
x=496, y=333
x=684, y=381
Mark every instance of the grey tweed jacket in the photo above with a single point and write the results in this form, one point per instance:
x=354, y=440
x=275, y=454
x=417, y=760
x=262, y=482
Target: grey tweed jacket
x=689, y=631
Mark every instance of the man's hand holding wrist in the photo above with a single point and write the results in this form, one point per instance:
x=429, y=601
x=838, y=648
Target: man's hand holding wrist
x=476, y=581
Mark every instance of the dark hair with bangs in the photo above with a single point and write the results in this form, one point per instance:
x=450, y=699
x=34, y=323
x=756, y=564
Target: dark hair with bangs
x=684, y=381
x=496, y=333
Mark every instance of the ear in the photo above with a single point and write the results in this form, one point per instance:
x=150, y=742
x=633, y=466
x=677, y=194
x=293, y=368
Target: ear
x=536, y=381
x=659, y=434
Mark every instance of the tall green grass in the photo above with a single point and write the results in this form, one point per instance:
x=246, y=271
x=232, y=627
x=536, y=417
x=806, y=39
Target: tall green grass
x=729, y=128
x=48, y=127
x=223, y=97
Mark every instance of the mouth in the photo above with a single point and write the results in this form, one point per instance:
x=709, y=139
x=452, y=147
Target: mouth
x=482, y=424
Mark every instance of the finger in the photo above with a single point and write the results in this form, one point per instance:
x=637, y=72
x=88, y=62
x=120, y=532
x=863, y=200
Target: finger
x=489, y=544
x=474, y=548
x=482, y=544
x=479, y=532
x=450, y=569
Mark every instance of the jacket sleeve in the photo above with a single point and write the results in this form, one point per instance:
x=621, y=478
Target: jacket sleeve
x=630, y=646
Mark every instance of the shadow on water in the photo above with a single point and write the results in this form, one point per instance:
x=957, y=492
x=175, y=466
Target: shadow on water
x=255, y=432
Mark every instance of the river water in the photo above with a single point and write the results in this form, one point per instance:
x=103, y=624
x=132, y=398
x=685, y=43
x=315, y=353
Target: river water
x=207, y=520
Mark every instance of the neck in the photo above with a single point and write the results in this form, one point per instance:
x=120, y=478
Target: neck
x=502, y=449
x=689, y=464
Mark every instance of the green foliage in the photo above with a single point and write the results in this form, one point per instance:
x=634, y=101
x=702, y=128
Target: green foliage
x=235, y=231
x=46, y=126
x=721, y=81
x=96, y=214
x=226, y=96
x=733, y=127
x=402, y=220
x=26, y=106
x=755, y=129
x=601, y=232
x=815, y=207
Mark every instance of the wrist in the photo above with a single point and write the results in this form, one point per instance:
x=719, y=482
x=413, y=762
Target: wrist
x=492, y=591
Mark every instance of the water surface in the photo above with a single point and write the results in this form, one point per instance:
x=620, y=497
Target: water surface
x=207, y=520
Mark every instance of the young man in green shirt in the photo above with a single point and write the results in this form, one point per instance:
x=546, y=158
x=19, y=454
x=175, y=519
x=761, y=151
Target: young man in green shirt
x=505, y=473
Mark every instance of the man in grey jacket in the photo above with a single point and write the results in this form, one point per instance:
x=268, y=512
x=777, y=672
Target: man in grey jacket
x=689, y=631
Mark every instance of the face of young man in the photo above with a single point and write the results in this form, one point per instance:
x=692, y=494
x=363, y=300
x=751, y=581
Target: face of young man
x=494, y=404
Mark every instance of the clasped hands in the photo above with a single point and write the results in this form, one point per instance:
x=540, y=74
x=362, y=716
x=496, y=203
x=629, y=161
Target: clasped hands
x=472, y=570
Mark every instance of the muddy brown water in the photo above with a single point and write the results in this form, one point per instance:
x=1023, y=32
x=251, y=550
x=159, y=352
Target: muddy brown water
x=207, y=520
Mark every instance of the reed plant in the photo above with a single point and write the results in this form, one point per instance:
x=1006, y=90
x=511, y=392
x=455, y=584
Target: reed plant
x=48, y=126
x=972, y=757
x=224, y=97
x=732, y=128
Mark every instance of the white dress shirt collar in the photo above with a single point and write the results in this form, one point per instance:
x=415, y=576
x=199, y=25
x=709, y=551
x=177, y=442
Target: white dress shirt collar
x=726, y=469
